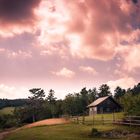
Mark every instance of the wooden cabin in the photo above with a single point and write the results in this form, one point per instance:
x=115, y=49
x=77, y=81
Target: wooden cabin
x=104, y=105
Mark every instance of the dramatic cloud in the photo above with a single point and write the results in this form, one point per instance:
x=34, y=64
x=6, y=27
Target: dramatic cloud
x=98, y=27
x=17, y=16
x=64, y=72
x=68, y=44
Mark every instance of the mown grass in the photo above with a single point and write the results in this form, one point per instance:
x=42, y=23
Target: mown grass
x=119, y=115
x=7, y=110
x=99, y=118
x=70, y=131
x=61, y=132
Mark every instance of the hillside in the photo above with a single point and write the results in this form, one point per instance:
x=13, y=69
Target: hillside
x=64, y=132
x=7, y=110
x=59, y=129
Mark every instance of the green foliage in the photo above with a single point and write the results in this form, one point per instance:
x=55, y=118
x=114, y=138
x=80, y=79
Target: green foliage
x=38, y=107
x=118, y=93
x=12, y=103
x=104, y=90
x=92, y=94
x=131, y=104
x=7, y=121
x=50, y=98
x=84, y=98
x=69, y=104
x=75, y=104
x=35, y=102
x=135, y=90
x=95, y=132
x=7, y=110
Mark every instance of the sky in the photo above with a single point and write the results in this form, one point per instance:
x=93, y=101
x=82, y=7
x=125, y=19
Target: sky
x=66, y=45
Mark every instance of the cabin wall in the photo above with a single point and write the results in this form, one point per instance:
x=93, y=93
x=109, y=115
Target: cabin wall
x=92, y=111
x=108, y=106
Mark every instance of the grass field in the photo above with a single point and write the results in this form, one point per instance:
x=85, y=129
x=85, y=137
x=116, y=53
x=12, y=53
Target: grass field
x=70, y=131
x=7, y=110
x=61, y=132
x=99, y=118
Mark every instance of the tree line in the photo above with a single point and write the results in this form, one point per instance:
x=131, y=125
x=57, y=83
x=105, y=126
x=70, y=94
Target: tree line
x=39, y=106
x=12, y=102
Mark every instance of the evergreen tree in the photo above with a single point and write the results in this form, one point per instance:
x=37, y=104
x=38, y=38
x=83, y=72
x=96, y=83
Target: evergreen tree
x=35, y=101
x=92, y=94
x=119, y=92
x=50, y=98
x=104, y=90
x=84, y=98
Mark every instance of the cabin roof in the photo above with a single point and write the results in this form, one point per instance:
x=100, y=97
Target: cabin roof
x=98, y=101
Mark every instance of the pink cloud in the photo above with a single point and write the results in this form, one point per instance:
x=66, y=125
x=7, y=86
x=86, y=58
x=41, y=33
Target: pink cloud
x=129, y=57
x=97, y=30
x=13, y=92
x=15, y=54
x=88, y=69
x=58, y=49
x=132, y=58
x=65, y=72
x=83, y=35
x=125, y=82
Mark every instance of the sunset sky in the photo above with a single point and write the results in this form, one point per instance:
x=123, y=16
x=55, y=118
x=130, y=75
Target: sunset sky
x=67, y=45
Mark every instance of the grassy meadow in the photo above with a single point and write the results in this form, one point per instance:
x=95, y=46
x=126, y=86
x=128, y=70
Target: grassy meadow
x=7, y=110
x=62, y=132
x=98, y=118
x=71, y=131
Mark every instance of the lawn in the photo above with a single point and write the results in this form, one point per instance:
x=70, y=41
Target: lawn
x=71, y=131
x=7, y=110
x=62, y=132
x=99, y=118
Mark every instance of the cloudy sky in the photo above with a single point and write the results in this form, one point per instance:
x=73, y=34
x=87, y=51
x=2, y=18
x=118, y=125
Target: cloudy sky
x=68, y=44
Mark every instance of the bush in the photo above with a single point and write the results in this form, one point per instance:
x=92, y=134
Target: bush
x=95, y=132
x=131, y=104
x=7, y=121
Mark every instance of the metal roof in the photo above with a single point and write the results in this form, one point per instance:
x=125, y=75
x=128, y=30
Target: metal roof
x=98, y=101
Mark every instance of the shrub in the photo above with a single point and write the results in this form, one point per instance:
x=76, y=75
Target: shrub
x=131, y=104
x=7, y=121
x=95, y=132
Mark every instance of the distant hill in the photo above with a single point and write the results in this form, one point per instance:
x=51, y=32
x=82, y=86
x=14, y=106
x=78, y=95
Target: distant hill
x=12, y=102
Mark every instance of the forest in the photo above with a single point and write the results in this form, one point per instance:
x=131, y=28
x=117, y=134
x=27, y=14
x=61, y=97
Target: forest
x=39, y=106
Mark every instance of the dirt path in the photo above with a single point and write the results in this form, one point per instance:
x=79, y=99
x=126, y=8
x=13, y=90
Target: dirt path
x=5, y=133
x=47, y=122
x=39, y=123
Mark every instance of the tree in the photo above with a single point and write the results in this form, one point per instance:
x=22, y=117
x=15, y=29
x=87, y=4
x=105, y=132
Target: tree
x=92, y=94
x=52, y=102
x=84, y=98
x=50, y=98
x=131, y=104
x=119, y=92
x=104, y=90
x=68, y=105
x=36, y=101
x=136, y=89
